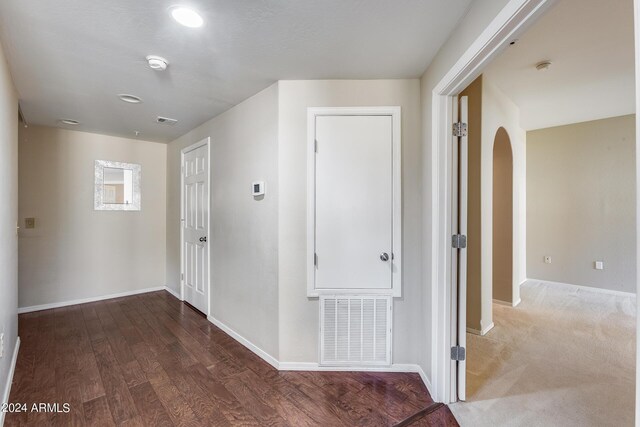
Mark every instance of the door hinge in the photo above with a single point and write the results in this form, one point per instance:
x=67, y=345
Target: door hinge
x=458, y=353
x=459, y=129
x=315, y=145
x=459, y=241
x=315, y=259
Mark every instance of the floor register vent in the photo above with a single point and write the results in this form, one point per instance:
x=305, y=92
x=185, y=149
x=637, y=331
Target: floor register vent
x=355, y=330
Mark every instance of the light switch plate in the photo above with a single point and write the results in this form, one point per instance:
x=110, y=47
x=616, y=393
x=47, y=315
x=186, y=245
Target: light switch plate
x=547, y=259
x=29, y=223
x=598, y=265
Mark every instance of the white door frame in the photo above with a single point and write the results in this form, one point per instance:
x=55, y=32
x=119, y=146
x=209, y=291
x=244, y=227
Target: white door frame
x=512, y=20
x=207, y=142
x=396, y=243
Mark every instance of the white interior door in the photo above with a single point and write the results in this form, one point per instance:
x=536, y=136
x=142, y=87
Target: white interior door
x=354, y=202
x=195, y=227
x=461, y=253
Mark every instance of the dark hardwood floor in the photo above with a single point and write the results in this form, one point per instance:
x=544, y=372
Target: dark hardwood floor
x=150, y=360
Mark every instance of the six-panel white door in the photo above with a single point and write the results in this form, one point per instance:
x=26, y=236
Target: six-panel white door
x=195, y=227
x=353, y=202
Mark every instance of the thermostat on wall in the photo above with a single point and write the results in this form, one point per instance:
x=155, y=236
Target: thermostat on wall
x=257, y=188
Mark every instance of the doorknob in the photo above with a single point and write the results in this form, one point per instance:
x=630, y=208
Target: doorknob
x=203, y=239
x=384, y=256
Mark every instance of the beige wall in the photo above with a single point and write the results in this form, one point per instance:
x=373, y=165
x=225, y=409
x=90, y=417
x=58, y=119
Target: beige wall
x=76, y=252
x=8, y=220
x=243, y=239
x=473, y=92
x=490, y=111
x=581, y=203
x=498, y=111
x=502, y=270
x=299, y=315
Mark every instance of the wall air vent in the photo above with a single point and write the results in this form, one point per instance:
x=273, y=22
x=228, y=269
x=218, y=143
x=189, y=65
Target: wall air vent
x=355, y=330
x=166, y=121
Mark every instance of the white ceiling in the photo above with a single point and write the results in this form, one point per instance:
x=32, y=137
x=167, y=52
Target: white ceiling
x=591, y=45
x=70, y=58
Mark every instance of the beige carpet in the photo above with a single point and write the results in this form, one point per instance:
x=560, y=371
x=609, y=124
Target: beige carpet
x=563, y=357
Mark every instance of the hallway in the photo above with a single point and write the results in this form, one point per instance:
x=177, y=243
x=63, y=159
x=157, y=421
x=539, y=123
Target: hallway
x=152, y=360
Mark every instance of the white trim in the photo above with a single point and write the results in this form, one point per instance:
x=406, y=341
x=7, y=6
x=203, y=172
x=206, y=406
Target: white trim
x=206, y=141
x=583, y=288
x=32, y=308
x=511, y=20
x=173, y=292
x=507, y=303
x=482, y=332
x=245, y=342
x=396, y=245
x=12, y=370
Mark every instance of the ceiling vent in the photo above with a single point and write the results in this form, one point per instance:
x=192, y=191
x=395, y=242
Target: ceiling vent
x=166, y=121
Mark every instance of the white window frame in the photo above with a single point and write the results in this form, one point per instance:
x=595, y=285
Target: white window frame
x=396, y=277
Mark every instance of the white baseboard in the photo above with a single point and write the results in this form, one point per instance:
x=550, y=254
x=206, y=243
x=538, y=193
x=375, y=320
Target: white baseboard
x=245, y=342
x=172, y=292
x=308, y=366
x=507, y=303
x=12, y=370
x=483, y=331
x=583, y=288
x=86, y=300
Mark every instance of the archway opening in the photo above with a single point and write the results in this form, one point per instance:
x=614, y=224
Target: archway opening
x=502, y=264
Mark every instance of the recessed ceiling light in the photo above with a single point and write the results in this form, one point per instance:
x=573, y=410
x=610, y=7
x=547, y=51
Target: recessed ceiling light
x=69, y=122
x=543, y=65
x=131, y=99
x=157, y=62
x=187, y=17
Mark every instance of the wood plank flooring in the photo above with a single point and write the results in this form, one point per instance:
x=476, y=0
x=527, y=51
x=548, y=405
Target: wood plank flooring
x=150, y=360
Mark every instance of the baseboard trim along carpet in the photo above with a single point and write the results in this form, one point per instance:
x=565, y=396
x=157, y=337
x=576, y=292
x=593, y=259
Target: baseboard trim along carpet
x=93, y=299
x=584, y=288
x=307, y=366
x=482, y=332
x=12, y=370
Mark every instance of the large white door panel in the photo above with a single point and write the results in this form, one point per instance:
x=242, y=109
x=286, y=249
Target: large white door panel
x=354, y=202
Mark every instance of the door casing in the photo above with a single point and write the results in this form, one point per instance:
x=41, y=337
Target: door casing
x=207, y=142
x=512, y=20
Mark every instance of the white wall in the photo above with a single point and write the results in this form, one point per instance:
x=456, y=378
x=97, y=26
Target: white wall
x=75, y=252
x=244, y=232
x=477, y=18
x=8, y=220
x=581, y=207
x=499, y=111
x=299, y=315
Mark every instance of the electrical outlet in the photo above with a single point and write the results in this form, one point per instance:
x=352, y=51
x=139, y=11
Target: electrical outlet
x=598, y=265
x=547, y=259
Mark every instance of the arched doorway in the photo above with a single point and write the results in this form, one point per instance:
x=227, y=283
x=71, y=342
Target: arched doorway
x=502, y=217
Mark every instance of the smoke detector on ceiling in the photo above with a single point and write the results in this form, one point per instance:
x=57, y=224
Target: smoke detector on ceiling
x=157, y=62
x=166, y=121
x=543, y=65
